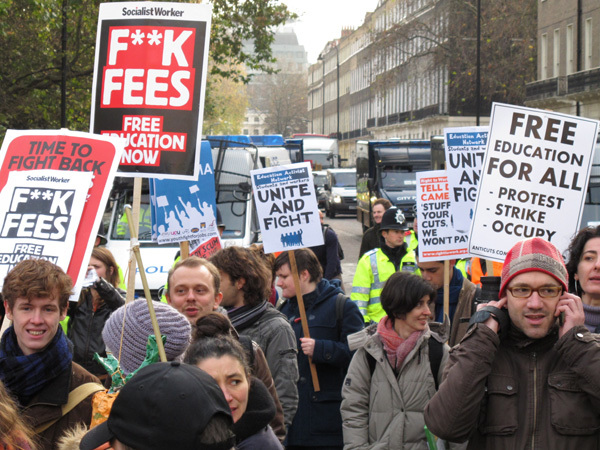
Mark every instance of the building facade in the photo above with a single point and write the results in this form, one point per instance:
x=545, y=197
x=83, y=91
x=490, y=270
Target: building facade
x=407, y=72
x=568, y=63
x=291, y=60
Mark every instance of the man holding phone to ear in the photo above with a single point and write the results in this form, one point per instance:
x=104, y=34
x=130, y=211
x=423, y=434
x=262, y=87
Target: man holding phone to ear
x=519, y=379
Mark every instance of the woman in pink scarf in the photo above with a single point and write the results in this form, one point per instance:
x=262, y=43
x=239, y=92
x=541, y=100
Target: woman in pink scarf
x=396, y=369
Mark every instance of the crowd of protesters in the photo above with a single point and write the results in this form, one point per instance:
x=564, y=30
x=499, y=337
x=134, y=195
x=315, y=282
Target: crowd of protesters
x=267, y=352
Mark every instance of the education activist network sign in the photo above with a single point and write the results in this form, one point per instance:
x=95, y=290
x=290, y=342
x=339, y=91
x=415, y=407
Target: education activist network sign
x=287, y=209
x=465, y=151
x=149, y=79
x=533, y=180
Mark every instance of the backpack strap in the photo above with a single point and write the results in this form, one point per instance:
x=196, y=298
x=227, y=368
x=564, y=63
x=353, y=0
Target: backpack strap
x=246, y=342
x=436, y=351
x=76, y=396
x=340, y=301
x=371, y=361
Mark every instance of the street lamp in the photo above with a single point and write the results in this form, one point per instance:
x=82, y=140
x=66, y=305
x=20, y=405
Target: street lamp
x=478, y=78
x=337, y=56
x=322, y=59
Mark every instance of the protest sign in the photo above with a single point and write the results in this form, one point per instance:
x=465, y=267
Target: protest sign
x=533, y=181
x=63, y=150
x=287, y=207
x=186, y=210
x=438, y=240
x=465, y=150
x=149, y=79
x=40, y=211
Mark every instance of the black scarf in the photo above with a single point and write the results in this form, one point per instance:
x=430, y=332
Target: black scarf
x=246, y=315
x=259, y=411
x=395, y=254
x=24, y=376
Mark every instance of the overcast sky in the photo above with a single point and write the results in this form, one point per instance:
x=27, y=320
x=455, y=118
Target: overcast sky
x=321, y=21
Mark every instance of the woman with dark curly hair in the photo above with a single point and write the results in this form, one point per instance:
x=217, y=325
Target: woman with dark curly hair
x=252, y=407
x=583, y=267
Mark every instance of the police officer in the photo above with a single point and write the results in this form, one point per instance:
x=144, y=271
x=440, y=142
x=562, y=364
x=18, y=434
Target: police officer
x=377, y=265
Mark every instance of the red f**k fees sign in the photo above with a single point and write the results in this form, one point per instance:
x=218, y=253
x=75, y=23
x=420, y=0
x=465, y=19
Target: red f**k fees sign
x=149, y=81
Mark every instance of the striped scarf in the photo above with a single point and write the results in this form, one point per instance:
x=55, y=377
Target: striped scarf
x=24, y=376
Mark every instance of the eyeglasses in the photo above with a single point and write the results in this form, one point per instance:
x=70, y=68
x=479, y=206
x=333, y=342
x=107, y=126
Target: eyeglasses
x=544, y=291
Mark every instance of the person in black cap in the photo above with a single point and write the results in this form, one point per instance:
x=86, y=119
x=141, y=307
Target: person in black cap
x=166, y=406
x=377, y=265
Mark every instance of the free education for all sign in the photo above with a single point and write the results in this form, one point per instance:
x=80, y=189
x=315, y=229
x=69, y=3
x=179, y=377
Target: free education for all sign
x=287, y=207
x=149, y=78
x=533, y=181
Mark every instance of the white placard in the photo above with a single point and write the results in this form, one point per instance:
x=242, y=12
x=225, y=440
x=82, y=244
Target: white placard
x=438, y=240
x=287, y=207
x=533, y=181
x=465, y=152
x=40, y=211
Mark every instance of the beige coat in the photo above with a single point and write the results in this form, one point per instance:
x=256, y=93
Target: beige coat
x=385, y=411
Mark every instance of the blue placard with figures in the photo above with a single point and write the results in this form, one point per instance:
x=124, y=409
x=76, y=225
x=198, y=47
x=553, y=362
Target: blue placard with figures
x=186, y=210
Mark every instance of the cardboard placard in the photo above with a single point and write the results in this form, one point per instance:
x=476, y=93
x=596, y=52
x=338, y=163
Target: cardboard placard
x=287, y=209
x=533, y=181
x=149, y=84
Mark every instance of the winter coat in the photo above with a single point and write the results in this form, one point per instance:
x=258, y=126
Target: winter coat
x=86, y=325
x=46, y=405
x=252, y=430
x=384, y=410
x=318, y=421
x=371, y=239
x=328, y=255
x=272, y=332
x=520, y=393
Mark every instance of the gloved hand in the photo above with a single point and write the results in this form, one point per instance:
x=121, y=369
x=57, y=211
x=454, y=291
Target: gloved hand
x=108, y=293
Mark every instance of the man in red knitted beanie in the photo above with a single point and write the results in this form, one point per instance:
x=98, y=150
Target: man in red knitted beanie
x=526, y=373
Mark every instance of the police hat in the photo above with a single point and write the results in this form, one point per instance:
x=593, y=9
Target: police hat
x=393, y=219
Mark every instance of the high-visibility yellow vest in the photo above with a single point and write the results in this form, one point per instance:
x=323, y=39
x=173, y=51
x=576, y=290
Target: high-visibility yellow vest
x=372, y=271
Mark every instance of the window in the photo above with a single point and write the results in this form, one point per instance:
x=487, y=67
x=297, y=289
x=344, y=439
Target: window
x=544, y=56
x=587, y=45
x=556, y=52
x=570, y=62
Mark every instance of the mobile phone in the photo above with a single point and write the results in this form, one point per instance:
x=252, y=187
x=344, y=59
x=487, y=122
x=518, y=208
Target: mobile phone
x=561, y=319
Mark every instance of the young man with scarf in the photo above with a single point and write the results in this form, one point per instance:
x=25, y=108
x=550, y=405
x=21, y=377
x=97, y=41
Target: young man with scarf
x=35, y=356
x=462, y=295
x=246, y=286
